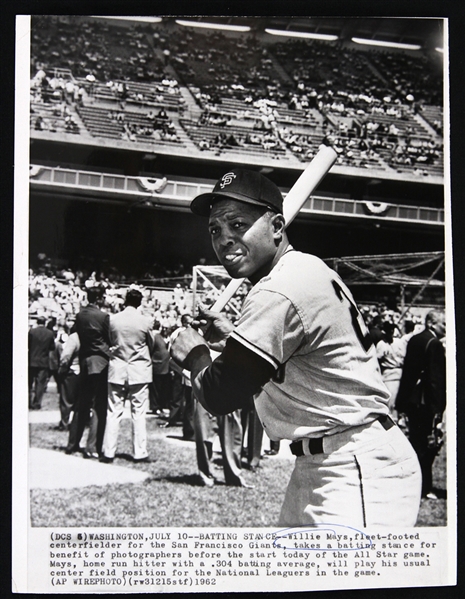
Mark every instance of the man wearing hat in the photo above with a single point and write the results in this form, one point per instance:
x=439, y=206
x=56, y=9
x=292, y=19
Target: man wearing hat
x=302, y=350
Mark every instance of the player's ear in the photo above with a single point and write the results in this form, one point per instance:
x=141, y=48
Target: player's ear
x=277, y=223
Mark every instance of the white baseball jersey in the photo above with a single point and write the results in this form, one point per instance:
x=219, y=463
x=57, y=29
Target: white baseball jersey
x=302, y=319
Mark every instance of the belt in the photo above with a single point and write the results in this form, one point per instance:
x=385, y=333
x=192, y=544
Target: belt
x=315, y=445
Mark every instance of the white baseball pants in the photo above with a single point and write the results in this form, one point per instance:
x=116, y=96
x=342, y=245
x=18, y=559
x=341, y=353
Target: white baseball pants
x=367, y=477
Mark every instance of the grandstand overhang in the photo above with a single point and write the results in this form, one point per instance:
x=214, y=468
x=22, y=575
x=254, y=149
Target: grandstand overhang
x=163, y=193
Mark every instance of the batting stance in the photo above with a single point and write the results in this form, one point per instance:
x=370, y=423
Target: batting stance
x=302, y=350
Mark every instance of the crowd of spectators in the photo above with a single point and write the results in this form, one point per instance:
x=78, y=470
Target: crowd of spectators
x=417, y=76
x=152, y=126
x=216, y=59
x=344, y=84
x=56, y=86
x=323, y=66
x=97, y=61
x=90, y=46
x=238, y=66
x=58, y=292
x=375, y=315
x=61, y=297
x=417, y=155
x=373, y=96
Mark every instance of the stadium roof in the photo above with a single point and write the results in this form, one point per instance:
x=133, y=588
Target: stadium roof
x=427, y=32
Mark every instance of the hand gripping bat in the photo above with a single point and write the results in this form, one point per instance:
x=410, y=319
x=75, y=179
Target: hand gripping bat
x=293, y=202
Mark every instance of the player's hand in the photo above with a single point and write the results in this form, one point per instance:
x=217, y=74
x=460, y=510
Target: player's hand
x=188, y=347
x=216, y=328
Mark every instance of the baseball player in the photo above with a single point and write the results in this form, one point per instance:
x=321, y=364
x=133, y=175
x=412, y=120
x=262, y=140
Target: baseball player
x=302, y=350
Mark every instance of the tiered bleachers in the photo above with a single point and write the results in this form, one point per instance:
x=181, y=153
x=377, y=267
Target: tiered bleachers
x=248, y=140
x=240, y=109
x=84, y=46
x=102, y=122
x=276, y=98
x=353, y=155
x=418, y=75
x=404, y=124
x=50, y=117
x=299, y=117
x=215, y=59
x=302, y=139
x=99, y=123
x=326, y=66
x=305, y=147
x=422, y=169
x=420, y=157
x=404, y=144
x=142, y=93
x=330, y=67
x=434, y=116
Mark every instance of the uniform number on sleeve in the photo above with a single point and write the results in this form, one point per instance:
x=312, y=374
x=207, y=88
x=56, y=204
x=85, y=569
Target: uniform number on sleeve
x=357, y=319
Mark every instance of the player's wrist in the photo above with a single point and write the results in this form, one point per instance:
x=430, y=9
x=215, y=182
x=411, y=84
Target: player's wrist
x=197, y=359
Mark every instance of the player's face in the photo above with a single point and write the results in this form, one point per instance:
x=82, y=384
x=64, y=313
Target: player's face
x=244, y=239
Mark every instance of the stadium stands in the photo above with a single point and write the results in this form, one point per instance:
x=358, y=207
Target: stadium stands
x=253, y=96
x=128, y=125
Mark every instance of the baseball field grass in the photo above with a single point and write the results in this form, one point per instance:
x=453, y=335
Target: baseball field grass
x=172, y=496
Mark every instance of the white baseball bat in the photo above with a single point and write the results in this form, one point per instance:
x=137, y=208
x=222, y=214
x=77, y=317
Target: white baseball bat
x=293, y=202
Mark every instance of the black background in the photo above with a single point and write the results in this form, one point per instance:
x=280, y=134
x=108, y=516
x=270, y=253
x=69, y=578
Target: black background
x=453, y=10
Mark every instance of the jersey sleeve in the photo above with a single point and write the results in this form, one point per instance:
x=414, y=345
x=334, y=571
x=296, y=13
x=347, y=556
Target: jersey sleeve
x=270, y=326
x=230, y=382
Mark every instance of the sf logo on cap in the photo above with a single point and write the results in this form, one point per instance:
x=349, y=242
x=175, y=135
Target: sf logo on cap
x=227, y=179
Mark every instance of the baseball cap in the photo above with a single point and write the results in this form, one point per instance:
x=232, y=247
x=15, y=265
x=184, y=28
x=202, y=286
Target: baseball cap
x=243, y=185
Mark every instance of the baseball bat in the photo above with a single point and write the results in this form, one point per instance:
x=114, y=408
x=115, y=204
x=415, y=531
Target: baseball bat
x=293, y=202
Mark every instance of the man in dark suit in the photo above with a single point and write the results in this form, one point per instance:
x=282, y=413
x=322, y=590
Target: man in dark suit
x=41, y=342
x=182, y=405
x=160, y=389
x=422, y=393
x=92, y=326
